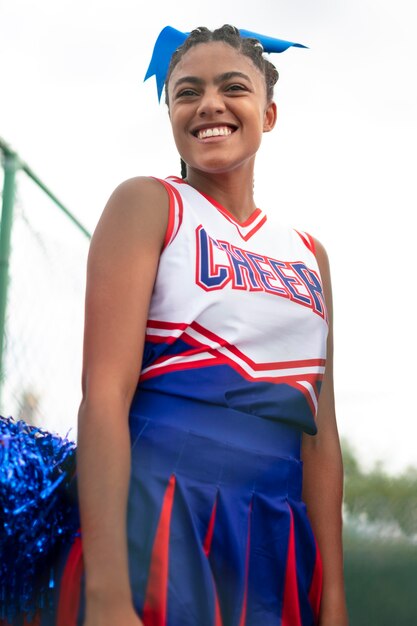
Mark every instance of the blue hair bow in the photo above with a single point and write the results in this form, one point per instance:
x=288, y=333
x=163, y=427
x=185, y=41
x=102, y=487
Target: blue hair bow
x=170, y=39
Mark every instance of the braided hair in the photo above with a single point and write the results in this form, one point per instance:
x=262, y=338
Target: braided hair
x=248, y=46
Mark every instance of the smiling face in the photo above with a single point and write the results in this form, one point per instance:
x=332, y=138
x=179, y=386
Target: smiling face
x=218, y=108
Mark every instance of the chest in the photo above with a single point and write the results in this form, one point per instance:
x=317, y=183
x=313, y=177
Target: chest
x=255, y=286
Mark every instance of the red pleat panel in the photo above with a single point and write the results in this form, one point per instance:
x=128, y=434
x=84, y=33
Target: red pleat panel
x=291, y=615
x=314, y=594
x=217, y=614
x=70, y=590
x=36, y=621
x=210, y=529
x=207, y=547
x=242, y=620
x=155, y=606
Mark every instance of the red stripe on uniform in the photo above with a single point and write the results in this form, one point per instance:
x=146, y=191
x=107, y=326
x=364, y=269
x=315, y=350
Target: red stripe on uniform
x=254, y=229
x=210, y=530
x=312, y=244
x=171, y=212
x=306, y=394
x=181, y=181
x=180, y=210
x=70, y=590
x=157, y=369
x=242, y=620
x=155, y=606
x=229, y=216
x=316, y=586
x=207, y=548
x=208, y=334
x=163, y=324
x=217, y=615
x=174, y=217
x=291, y=615
x=307, y=240
x=36, y=621
x=256, y=366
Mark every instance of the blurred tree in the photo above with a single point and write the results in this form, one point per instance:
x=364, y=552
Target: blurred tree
x=391, y=499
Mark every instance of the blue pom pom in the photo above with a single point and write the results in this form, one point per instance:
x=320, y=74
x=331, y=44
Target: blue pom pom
x=38, y=513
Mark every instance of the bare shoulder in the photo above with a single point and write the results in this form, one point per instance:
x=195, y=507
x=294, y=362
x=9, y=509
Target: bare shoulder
x=139, y=189
x=129, y=235
x=138, y=205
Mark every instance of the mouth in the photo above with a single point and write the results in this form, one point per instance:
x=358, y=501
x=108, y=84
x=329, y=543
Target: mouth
x=221, y=130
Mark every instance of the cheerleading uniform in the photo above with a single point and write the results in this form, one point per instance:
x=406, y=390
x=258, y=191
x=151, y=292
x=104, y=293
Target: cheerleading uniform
x=233, y=362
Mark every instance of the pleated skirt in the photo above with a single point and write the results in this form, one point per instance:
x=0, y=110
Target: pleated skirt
x=217, y=532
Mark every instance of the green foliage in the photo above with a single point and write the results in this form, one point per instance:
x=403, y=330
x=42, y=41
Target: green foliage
x=380, y=497
x=380, y=574
x=380, y=581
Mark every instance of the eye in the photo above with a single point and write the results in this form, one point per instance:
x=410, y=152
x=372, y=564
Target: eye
x=236, y=87
x=186, y=93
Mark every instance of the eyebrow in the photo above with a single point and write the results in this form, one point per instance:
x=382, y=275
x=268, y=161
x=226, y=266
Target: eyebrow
x=195, y=80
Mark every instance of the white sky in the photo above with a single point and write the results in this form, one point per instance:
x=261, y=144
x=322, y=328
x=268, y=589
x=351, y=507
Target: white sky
x=340, y=164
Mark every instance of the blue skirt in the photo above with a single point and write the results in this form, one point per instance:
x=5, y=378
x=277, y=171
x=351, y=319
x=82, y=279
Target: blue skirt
x=217, y=532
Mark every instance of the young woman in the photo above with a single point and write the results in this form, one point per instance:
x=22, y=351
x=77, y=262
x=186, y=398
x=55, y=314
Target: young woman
x=195, y=509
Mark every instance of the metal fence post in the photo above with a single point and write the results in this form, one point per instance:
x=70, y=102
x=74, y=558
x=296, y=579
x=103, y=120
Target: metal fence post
x=10, y=165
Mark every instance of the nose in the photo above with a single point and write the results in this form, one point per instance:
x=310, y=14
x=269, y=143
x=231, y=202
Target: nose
x=211, y=102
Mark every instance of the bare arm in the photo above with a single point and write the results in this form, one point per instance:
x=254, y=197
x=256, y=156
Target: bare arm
x=121, y=270
x=323, y=480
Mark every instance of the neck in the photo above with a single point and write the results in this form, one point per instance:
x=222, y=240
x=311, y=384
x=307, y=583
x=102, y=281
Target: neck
x=232, y=190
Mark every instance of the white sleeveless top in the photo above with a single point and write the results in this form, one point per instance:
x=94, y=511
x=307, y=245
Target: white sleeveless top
x=237, y=316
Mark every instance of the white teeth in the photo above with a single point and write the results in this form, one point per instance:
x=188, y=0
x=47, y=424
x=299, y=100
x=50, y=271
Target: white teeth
x=214, y=132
